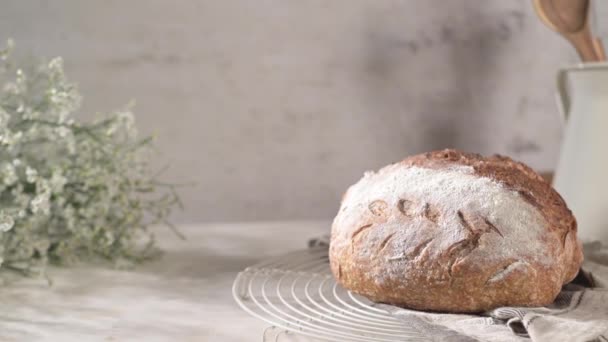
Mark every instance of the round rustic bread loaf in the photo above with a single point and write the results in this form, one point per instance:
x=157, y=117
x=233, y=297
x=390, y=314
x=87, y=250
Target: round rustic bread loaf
x=454, y=232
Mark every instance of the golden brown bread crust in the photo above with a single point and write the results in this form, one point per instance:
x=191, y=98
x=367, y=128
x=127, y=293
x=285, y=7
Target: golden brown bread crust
x=404, y=250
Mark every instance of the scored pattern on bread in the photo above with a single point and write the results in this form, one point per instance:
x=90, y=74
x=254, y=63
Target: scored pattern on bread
x=492, y=227
x=385, y=241
x=458, y=232
x=505, y=271
x=415, y=253
x=477, y=224
x=358, y=231
x=431, y=212
x=407, y=207
x=378, y=208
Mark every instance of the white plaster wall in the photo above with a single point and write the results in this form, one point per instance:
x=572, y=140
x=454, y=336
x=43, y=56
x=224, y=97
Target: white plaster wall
x=275, y=106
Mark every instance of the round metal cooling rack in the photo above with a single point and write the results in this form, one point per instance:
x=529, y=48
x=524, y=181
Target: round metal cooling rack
x=296, y=293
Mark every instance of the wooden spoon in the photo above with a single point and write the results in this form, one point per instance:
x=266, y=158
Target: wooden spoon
x=599, y=49
x=570, y=19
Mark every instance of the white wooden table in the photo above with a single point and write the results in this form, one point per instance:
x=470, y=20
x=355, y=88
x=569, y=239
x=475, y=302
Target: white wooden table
x=185, y=296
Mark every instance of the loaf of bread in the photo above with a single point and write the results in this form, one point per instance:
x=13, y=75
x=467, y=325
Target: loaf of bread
x=454, y=232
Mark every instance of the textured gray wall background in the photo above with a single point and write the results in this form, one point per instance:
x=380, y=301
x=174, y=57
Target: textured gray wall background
x=275, y=106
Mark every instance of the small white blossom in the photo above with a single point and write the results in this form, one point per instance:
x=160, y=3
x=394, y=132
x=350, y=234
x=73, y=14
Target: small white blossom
x=5, y=53
x=20, y=76
x=4, y=118
x=124, y=121
x=31, y=175
x=58, y=181
x=43, y=187
x=109, y=237
x=9, y=175
x=9, y=138
x=31, y=114
x=6, y=222
x=41, y=204
x=56, y=65
x=68, y=215
x=71, y=145
x=62, y=131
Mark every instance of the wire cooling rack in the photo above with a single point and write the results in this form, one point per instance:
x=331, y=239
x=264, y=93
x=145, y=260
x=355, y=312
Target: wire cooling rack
x=297, y=295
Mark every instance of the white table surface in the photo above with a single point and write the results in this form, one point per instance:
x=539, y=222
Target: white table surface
x=184, y=296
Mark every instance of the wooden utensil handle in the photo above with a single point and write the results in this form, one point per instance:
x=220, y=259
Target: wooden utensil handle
x=599, y=49
x=585, y=46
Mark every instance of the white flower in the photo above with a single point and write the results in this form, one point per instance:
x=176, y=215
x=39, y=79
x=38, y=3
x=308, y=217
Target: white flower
x=4, y=136
x=56, y=65
x=109, y=237
x=57, y=97
x=9, y=176
x=20, y=76
x=5, y=53
x=41, y=204
x=9, y=138
x=43, y=187
x=4, y=118
x=57, y=181
x=31, y=114
x=124, y=120
x=31, y=175
x=62, y=131
x=68, y=214
x=6, y=222
x=71, y=145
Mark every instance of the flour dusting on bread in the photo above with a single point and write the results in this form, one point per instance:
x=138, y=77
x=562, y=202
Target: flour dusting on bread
x=454, y=190
x=420, y=233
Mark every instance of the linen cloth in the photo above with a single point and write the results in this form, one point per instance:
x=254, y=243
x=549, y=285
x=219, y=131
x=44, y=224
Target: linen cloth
x=579, y=313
